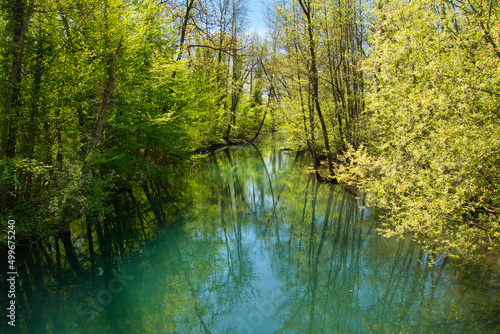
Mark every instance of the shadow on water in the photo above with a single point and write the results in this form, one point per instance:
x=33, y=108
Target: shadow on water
x=245, y=243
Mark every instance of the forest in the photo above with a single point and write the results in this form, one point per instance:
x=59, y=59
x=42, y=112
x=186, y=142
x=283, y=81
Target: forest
x=400, y=99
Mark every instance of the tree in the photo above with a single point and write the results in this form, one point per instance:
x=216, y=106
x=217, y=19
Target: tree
x=100, y=95
x=307, y=9
x=322, y=43
x=433, y=104
x=18, y=15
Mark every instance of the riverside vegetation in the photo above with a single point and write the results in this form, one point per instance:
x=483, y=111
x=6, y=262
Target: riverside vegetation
x=399, y=98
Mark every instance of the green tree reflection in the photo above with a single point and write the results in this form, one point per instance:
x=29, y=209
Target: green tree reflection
x=245, y=242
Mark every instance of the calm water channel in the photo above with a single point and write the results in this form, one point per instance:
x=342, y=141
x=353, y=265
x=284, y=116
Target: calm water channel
x=245, y=241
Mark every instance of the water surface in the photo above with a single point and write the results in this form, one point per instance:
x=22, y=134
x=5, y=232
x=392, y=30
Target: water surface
x=244, y=241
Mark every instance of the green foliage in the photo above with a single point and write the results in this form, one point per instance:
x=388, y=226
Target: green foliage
x=104, y=94
x=318, y=48
x=433, y=110
x=44, y=196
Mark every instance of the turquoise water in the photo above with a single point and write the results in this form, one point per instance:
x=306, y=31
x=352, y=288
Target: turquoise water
x=244, y=241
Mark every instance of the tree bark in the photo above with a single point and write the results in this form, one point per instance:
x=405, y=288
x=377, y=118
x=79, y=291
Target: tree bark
x=261, y=123
x=105, y=99
x=29, y=142
x=21, y=12
x=185, y=20
x=314, y=79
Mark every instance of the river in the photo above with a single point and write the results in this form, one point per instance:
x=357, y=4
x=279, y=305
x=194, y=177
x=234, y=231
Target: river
x=244, y=241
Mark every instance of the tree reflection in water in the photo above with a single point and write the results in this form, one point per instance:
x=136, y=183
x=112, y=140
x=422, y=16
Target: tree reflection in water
x=247, y=242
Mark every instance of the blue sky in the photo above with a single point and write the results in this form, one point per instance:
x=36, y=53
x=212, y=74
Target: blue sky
x=255, y=16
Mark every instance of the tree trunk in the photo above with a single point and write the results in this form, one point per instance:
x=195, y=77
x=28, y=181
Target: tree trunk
x=185, y=20
x=262, y=122
x=319, y=178
x=314, y=79
x=29, y=142
x=21, y=14
x=105, y=99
